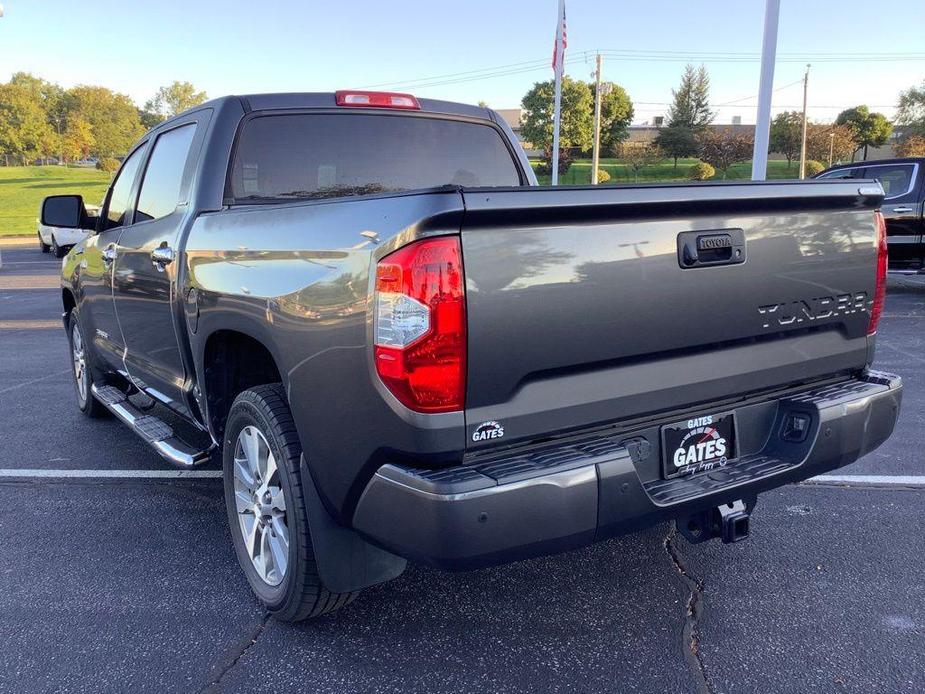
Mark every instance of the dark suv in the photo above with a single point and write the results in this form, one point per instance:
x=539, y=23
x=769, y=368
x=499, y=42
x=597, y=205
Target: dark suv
x=903, y=181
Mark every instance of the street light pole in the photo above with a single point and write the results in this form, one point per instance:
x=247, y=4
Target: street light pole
x=803, y=138
x=831, y=148
x=596, y=156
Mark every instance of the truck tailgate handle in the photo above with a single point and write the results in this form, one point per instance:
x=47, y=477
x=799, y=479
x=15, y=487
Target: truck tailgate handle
x=711, y=247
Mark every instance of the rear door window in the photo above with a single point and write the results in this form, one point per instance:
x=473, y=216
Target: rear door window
x=292, y=156
x=897, y=179
x=160, y=188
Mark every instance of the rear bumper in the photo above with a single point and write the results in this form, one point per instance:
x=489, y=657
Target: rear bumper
x=568, y=494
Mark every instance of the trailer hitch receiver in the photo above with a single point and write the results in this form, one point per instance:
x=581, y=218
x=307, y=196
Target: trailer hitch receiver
x=729, y=522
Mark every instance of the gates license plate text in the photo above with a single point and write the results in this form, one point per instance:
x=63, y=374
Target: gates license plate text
x=698, y=444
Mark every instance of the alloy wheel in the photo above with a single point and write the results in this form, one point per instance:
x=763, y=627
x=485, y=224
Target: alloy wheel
x=261, y=506
x=78, y=356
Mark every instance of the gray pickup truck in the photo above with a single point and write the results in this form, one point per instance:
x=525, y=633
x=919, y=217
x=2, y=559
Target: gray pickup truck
x=403, y=348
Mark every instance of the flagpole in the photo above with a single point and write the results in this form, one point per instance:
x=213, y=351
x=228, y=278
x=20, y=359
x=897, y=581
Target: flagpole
x=558, y=68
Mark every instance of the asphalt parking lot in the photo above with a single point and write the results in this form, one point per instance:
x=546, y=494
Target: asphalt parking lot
x=131, y=584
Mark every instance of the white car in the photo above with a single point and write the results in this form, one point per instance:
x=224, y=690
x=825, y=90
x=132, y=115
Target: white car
x=61, y=240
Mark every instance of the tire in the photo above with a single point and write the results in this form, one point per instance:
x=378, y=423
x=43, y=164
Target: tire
x=60, y=251
x=292, y=591
x=81, y=372
x=44, y=247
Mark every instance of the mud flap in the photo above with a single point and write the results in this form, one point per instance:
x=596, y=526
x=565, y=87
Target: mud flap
x=346, y=562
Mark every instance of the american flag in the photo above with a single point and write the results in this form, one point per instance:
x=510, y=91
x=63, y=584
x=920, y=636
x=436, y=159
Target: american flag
x=558, y=65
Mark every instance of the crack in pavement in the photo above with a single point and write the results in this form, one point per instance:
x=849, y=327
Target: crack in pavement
x=215, y=685
x=691, y=632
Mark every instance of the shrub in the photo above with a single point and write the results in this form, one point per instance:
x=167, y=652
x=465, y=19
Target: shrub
x=602, y=176
x=701, y=172
x=814, y=167
x=108, y=164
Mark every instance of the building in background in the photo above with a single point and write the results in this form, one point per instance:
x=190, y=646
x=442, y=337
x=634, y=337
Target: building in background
x=645, y=133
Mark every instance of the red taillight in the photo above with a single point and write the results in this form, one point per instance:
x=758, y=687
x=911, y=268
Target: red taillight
x=347, y=97
x=420, y=325
x=876, y=307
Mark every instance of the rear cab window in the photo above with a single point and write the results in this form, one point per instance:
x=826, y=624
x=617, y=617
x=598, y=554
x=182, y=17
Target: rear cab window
x=316, y=156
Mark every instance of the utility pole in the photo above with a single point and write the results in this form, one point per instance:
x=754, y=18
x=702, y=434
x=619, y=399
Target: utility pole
x=831, y=147
x=803, y=139
x=765, y=90
x=596, y=156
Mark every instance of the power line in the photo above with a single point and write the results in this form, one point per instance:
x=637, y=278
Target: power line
x=526, y=66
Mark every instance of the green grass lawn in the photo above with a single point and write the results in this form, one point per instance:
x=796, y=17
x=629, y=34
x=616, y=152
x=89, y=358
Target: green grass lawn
x=580, y=172
x=23, y=187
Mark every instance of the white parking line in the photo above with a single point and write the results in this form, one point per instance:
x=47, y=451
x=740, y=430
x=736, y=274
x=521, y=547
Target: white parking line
x=870, y=480
x=855, y=480
x=111, y=474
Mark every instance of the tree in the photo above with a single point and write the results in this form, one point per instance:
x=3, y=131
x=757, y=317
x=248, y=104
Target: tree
x=910, y=146
x=677, y=141
x=77, y=140
x=577, y=117
x=616, y=115
x=787, y=134
x=112, y=117
x=637, y=156
x=910, y=111
x=171, y=100
x=688, y=115
x=870, y=129
x=721, y=149
x=52, y=101
x=839, y=137
x=24, y=130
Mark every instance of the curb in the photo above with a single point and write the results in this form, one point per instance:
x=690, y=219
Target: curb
x=17, y=241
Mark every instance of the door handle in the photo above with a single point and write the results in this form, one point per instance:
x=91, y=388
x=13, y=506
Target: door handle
x=162, y=256
x=902, y=210
x=109, y=254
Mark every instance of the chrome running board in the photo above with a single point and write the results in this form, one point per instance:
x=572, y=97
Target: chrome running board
x=153, y=430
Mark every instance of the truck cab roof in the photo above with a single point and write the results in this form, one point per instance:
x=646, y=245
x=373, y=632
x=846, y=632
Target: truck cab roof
x=327, y=100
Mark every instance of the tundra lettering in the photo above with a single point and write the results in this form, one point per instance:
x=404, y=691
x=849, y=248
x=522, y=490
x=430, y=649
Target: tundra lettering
x=788, y=313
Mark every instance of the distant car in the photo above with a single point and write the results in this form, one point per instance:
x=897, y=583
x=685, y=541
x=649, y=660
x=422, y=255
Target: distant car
x=903, y=181
x=60, y=240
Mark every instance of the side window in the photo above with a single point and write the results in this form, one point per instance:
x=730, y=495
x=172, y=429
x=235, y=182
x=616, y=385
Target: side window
x=839, y=173
x=896, y=180
x=119, y=197
x=160, y=188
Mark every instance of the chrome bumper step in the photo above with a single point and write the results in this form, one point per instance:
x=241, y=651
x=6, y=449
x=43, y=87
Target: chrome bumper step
x=153, y=430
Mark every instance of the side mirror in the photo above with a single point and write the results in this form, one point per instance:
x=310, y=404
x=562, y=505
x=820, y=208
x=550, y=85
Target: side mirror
x=65, y=211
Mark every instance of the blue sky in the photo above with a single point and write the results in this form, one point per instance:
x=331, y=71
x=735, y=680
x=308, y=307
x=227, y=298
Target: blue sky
x=289, y=45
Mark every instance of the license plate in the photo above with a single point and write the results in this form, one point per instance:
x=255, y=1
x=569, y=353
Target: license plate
x=698, y=444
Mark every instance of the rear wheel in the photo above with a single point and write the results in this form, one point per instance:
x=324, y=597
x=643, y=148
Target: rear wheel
x=81, y=372
x=44, y=247
x=267, y=507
